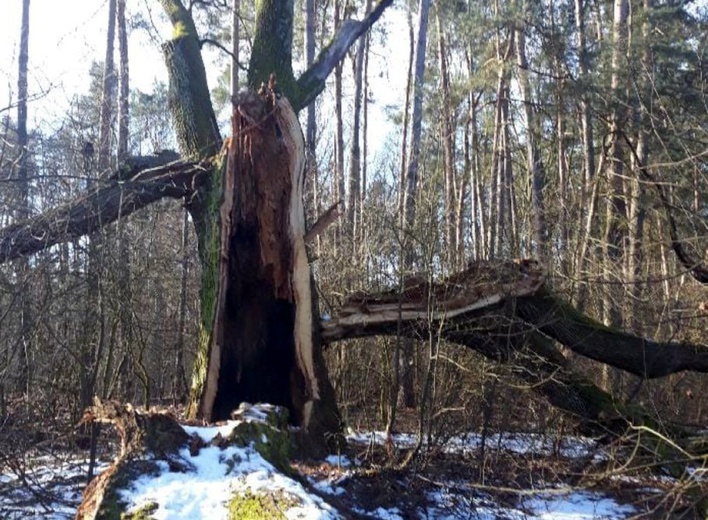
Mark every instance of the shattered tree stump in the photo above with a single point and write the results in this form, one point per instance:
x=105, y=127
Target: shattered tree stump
x=143, y=434
x=149, y=439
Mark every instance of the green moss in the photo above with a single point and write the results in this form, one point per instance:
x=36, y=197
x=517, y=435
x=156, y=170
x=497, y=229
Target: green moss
x=261, y=506
x=144, y=513
x=112, y=505
x=208, y=294
x=272, y=443
x=179, y=29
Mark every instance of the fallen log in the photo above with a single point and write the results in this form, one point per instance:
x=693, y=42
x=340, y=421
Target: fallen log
x=505, y=312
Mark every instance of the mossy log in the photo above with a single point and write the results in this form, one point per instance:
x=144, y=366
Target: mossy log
x=146, y=438
x=150, y=439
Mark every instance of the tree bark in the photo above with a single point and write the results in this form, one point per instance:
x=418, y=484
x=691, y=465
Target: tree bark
x=24, y=199
x=120, y=196
x=262, y=345
x=353, y=206
x=533, y=155
x=124, y=83
x=447, y=136
x=108, y=91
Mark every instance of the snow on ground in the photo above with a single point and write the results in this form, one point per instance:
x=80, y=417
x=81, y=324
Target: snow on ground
x=51, y=488
x=521, y=443
x=218, y=474
x=577, y=505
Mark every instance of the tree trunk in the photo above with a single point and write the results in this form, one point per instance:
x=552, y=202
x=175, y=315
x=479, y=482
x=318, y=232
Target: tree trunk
x=447, y=137
x=124, y=84
x=108, y=91
x=411, y=185
x=353, y=206
x=615, y=238
x=533, y=155
x=263, y=345
x=235, y=42
x=24, y=202
x=125, y=336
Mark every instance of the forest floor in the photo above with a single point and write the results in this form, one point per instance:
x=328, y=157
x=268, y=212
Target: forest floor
x=499, y=476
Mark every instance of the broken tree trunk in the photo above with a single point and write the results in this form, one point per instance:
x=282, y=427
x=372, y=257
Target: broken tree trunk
x=261, y=343
x=504, y=311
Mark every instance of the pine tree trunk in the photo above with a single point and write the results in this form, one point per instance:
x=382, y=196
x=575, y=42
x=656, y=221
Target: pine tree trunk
x=533, y=156
x=24, y=202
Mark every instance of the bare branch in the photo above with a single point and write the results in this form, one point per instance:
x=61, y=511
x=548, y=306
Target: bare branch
x=695, y=267
x=329, y=216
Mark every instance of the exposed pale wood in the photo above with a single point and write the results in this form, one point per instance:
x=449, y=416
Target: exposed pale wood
x=487, y=298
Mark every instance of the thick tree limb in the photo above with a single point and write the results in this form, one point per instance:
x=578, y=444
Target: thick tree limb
x=472, y=309
x=103, y=205
x=504, y=312
x=583, y=335
x=489, y=299
x=329, y=216
x=312, y=81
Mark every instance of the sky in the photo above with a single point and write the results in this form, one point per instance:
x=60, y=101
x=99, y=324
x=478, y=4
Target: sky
x=65, y=38
x=65, y=41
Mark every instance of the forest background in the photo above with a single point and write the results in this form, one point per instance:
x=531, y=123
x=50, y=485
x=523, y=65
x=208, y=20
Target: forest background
x=544, y=129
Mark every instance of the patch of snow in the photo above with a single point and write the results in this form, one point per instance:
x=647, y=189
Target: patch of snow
x=207, y=433
x=521, y=443
x=327, y=487
x=527, y=443
x=53, y=489
x=381, y=513
x=402, y=440
x=577, y=505
x=340, y=461
x=219, y=475
x=454, y=501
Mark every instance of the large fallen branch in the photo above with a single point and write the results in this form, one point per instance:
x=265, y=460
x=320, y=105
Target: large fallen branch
x=642, y=357
x=130, y=189
x=504, y=312
x=487, y=298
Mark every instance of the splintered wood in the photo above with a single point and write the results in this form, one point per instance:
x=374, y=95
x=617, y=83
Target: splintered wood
x=483, y=284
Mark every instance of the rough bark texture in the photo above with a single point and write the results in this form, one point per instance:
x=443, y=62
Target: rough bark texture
x=272, y=45
x=190, y=102
x=146, y=437
x=262, y=346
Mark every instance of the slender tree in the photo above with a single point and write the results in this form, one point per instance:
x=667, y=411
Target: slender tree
x=23, y=211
